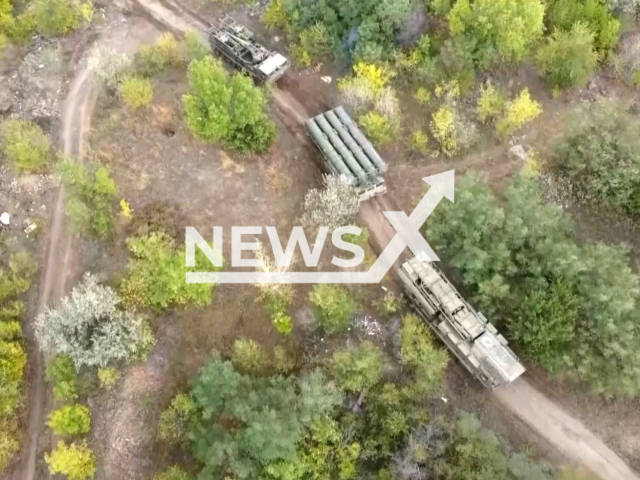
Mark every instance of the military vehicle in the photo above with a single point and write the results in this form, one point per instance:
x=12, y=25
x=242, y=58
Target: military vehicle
x=467, y=333
x=347, y=152
x=238, y=45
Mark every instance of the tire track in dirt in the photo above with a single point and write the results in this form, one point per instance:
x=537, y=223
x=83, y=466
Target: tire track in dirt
x=546, y=418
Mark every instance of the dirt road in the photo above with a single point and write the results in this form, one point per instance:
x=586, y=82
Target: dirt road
x=562, y=430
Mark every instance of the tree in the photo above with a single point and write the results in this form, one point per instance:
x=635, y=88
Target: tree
x=503, y=29
x=230, y=111
x=569, y=57
x=335, y=206
x=70, y=420
x=136, y=92
x=25, y=145
x=156, y=275
x=62, y=374
x=357, y=368
x=76, y=461
x=175, y=421
x=243, y=424
x=334, y=307
x=249, y=356
x=90, y=327
x=90, y=195
x=56, y=17
x=419, y=352
x=601, y=157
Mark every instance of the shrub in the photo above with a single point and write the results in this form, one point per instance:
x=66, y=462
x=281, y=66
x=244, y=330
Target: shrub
x=422, y=96
x=518, y=112
x=444, y=132
x=249, y=356
x=365, y=86
x=334, y=206
x=283, y=323
x=62, y=374
x=173, y=473
x=419, y=352
x=9, y=446
x=626, y=61
x=568, y=57
x=502, y=29
x=90, y=327
x=390, y=304
x=176, y=419
x=275, y=16
x=153, y=59
x=419, y=142
x=16, y=280
x=55, y=17
x=282, y=361
x=76, y=461
x=334, y=307
x=193, y=48
x=490, y=103
x=314, y=44
x=12, y=361
x=379, y=128
x=25, y=145
x=136, y=92
x=110, y=67
x=601, y=157
x=156, y=275
x=3, y=41
x=108, y=377
x=357, y=368
x=70, y=420
x=90, y=195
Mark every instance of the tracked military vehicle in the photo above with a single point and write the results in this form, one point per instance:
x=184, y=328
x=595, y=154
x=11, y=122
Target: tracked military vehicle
x=238, y=45
x=347, y=152
x=467, y=333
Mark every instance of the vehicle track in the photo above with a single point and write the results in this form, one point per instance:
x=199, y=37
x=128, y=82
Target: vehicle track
x=545, y=417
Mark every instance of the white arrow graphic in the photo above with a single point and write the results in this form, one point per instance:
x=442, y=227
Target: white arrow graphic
x=408, y=235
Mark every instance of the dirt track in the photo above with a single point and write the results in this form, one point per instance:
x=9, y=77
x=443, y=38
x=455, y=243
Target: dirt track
x=559, y=428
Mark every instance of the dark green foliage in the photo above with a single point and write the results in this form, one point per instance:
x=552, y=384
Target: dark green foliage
x=243, y=424
x=601, y=157
x=525, y=250
x=564, y=14
x=358, y=367
x=229, y=110
x=157, y=272
x=90, y=195
x=568, y=57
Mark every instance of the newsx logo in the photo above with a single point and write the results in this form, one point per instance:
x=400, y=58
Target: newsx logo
x=407, y=235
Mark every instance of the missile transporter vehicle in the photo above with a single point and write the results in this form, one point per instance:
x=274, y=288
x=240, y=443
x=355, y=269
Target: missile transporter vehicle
x=467, y=333
x=347, y=152
x=238, y=45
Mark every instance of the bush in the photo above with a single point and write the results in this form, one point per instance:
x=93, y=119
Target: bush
x=569, y=57
x=368, y=82
x=490, y=103
x=249, y=357
x=564, y=14
x=70, y=420
x=110, y=67
x=335, y=206
x=16, y=280
x=232, y=111
x=193, y=48
x=76, y=461
x=357, y=368
x=157, y=272
x=108, y=377
x=518, y=112
x=9, y=446
x=176, y=419
x=502, y=29
x=136, y=92
x=153, y=59
x=379, y=128
x=419, y=142
x=173, y=473
x=314, y=45
x=90, y=327
x=62, y=374
x=56, y=17
x=601, y=157
x=90, y=195
x=334, y=307
x=423, y=96
x=444, y=132
x=275, y=16
x=25, y=145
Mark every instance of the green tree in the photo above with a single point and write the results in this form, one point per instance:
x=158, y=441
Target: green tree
x=61, y=374
x=243, y=423
x=568, y=58
x=358, y=367
x=25, y=145
x=76, y=461
x=70, y=420
x=156, y=275
x=56, y=17
x=90, y=196
x=249, y=356
x=502, y=29
x=334, y=307
x=175, y=421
